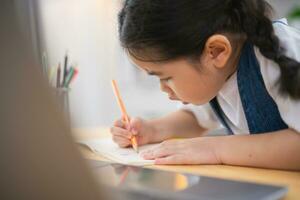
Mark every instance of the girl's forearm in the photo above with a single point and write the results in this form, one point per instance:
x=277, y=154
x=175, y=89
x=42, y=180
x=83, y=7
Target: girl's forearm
x=180, y=124
x=277, y=150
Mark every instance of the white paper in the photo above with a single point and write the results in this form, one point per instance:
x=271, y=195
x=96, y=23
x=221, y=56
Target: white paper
x=110, y=150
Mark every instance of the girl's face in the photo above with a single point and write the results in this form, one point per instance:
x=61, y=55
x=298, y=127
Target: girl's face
x=183, y=81
x=196, y=83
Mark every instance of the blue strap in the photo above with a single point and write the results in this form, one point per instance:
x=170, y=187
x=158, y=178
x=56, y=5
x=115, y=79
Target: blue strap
x=220, y=114
x=260, y=109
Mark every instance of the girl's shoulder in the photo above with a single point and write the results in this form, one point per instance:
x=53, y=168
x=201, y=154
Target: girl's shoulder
x=283, y=25
x=290, y=40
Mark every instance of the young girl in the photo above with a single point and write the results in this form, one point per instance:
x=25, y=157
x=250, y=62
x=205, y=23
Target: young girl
x=232, y=65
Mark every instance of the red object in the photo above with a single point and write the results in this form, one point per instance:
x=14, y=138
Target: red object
x=75, y=75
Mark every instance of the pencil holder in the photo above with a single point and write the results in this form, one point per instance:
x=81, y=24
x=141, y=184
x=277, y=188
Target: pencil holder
x=62, y=95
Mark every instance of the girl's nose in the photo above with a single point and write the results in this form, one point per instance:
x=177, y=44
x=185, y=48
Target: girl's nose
x=165, y=88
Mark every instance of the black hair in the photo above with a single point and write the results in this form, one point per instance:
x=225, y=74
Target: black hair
x=160, y=30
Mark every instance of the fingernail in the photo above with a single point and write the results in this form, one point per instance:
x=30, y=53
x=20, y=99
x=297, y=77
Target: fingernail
x=134, y=131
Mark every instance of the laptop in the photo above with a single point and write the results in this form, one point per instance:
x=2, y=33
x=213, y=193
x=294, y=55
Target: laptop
x=156, y=184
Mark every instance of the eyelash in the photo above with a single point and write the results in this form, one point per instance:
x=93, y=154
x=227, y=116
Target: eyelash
x=165, y=79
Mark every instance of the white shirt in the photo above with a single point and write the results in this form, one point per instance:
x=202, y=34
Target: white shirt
x=229, y=97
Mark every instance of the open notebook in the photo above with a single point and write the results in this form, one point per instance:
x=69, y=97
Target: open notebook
x=110, y=150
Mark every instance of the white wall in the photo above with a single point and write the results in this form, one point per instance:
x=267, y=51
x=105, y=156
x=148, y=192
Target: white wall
x=88, y=30
x=283, y=7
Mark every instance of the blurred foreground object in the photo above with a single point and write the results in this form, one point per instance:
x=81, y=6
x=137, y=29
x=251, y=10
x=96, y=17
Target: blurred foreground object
x=38, y=158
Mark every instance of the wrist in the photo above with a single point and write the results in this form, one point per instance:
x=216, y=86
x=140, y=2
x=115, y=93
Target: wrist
x=153, y=131
x=217, y=147
x=157, y=131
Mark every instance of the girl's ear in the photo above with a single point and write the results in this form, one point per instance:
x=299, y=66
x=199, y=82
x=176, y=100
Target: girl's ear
x=218, y=50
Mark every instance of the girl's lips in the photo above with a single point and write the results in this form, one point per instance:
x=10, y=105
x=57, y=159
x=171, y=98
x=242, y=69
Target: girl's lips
x=173, y=98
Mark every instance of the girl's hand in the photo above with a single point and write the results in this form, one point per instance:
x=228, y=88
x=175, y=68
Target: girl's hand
x=200, y=150
x=122, y=133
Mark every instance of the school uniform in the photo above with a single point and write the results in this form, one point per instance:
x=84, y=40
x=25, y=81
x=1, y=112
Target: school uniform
x=250, y=101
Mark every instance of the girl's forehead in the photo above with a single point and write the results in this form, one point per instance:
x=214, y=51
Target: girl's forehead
x=148, y=66
x=172, y=67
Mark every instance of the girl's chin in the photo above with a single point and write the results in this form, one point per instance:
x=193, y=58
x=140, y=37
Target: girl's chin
x=192, y=103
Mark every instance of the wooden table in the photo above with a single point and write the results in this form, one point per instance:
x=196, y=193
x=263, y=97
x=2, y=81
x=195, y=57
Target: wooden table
x=256, y=175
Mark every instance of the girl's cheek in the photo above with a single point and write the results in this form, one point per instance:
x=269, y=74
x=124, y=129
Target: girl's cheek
x=191, y=93
x=184, y=91
x=193, y=96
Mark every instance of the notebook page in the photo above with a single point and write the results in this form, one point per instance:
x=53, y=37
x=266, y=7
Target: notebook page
x=110, y=150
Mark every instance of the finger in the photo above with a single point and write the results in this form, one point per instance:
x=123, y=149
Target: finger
x=119, y=123
x=121, y=141
x=121, y=132
x=124, y=118
x=170, y=160
x=134, y=131
x=158, y=153
x=135, y=125
x=166, y=148
x=126, y=121
x=144, y=152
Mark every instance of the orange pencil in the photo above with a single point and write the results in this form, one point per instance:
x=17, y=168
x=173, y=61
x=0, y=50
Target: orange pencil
x=124, y=113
